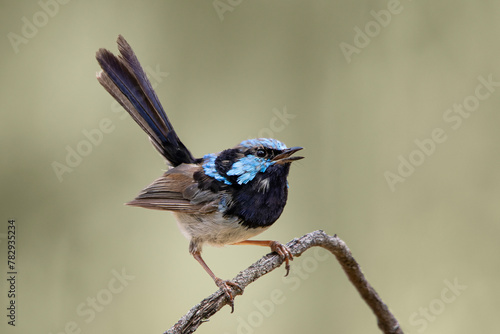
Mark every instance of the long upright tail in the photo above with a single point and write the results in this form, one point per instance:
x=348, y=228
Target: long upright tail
x=124, y=78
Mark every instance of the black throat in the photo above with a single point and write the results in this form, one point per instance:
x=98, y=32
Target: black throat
x=260, y=202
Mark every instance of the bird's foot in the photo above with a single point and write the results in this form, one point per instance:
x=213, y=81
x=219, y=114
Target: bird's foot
x=225, y=286
x=284, y=252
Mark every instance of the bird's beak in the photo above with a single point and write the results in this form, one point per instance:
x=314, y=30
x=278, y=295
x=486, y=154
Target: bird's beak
x=285, y=156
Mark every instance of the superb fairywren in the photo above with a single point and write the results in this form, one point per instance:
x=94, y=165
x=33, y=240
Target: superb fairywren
x=222, y=198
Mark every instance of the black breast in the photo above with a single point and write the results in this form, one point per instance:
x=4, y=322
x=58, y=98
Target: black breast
x=260, y=202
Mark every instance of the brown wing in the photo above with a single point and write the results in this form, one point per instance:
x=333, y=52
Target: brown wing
x=177, y=191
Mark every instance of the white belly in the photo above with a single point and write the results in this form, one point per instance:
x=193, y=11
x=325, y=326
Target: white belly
x=214, y=229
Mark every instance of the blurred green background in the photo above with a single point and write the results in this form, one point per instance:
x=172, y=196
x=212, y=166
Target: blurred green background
x=363, y=86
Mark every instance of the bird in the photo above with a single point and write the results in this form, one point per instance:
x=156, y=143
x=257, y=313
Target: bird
x=223, y=198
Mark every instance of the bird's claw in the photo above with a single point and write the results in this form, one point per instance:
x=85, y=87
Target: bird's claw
x=225, y=286
x=284, y=252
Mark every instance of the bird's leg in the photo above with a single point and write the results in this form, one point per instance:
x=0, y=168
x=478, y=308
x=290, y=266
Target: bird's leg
x=225, y=286
x=277, y=247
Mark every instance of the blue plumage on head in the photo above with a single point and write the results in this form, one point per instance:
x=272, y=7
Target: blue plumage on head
x=266, y=142
x=235, y=162
x=247, y=167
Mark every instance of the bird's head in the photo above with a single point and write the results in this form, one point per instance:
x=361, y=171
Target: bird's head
x=252, y=157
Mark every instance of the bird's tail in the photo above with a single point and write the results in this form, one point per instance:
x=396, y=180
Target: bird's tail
x=124, y=78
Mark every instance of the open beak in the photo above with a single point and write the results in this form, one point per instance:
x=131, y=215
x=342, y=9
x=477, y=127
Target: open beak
x=286, y=155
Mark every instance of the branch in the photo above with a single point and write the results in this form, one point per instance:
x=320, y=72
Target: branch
x=209, y=306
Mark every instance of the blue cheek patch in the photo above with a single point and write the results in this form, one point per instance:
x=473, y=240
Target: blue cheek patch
x=209, y=168
x=247, y=167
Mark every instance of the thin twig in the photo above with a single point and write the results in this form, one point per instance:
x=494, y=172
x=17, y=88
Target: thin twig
x=212, y=304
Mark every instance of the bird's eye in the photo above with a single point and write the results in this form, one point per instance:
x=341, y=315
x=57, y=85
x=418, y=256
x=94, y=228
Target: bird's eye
x=261, y=153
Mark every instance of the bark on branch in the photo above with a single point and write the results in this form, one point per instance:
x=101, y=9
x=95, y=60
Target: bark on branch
x=209, y=306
